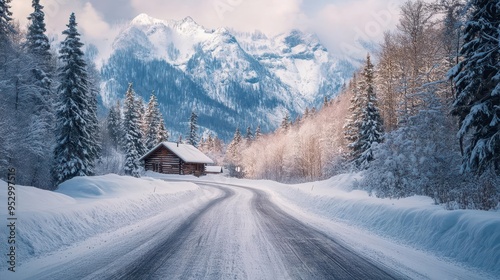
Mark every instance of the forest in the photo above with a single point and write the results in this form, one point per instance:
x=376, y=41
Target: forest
x=421, y=116
x=424, y=120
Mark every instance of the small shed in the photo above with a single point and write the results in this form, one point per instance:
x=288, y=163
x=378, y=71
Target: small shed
x=214, y=169
x=175, y=158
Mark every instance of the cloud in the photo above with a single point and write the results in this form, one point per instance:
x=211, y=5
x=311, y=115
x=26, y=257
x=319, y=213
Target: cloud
x=342, y=25
x=269, y=16
x=338, y=23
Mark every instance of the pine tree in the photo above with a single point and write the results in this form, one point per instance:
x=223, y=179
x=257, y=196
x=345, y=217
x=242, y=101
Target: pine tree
x=162, y=135
x=37, y=42
x=73, y=155
x=477, y=85
x=115, y=127
x=371, y=130
x=94, y=88
x=133, y=136
x=233, y=150
x=155, y=127
x=6, y=31
x=193, y=130
x=353, y=123
x=285, y=123
x=5, y=19
x=141, y=111
x=258, y=132
x=249, y=135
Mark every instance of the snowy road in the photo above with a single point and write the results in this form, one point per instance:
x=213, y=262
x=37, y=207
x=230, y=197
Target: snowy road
x=243, y=235
x=239, y=234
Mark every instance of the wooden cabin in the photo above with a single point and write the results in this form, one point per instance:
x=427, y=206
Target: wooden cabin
x=175, y=158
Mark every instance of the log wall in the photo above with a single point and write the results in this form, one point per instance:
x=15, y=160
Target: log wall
x=169, y=163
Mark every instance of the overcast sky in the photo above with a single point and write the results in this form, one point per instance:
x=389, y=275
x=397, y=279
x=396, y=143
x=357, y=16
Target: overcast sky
x=338, y=23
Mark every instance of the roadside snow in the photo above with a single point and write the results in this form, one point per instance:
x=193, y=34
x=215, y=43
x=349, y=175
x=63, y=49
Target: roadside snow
x=410, y=232
x=86, y=206
x=467, y=237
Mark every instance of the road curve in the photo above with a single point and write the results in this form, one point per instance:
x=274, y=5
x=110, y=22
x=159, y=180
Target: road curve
x=205, y=247
x=309, y=253
x=239, y=234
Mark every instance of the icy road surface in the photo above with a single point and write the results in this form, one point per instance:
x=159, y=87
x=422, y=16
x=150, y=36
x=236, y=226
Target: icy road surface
x=240, y=234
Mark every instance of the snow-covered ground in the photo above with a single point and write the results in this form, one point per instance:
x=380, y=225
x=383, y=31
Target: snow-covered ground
x=412, y=231
x=412, y=235
x=88, y=206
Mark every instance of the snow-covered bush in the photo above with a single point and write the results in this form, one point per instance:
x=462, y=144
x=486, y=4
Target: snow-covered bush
x=423, y=158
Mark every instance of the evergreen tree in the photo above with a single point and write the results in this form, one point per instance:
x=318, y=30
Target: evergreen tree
x=371, y=130
x=115, y=127
x=155, y=128
x=193, y=130
x=162, y=135
x=233, y=150
x=6, y=31
x=325, y=102
x=286, y=122
x=73, y=154
x=37, y=42
x=141, y=111
x=258, y=132
x=5, y=19
x=133, y=136
x=94, y=88
x=249, y=135
x=353, y=123
x=477, y=85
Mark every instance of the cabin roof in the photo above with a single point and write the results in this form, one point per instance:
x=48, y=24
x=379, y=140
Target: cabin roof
x=213, y=169
x=186, y=152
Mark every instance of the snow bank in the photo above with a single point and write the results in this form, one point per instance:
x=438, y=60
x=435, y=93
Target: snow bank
x=85, y=206
x=467, y=236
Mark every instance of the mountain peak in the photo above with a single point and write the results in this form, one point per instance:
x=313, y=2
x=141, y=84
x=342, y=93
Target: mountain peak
x=144, y=19
x=188, y=19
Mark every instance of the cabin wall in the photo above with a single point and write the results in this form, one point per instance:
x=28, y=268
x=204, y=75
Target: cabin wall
x=193, y=168
x=168, y=162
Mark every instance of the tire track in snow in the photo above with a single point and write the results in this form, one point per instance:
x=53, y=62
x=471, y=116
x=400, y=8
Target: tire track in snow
x=309, y=253
x=153, y=260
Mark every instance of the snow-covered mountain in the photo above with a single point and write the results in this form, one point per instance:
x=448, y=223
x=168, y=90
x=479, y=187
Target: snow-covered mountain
x=229, y=78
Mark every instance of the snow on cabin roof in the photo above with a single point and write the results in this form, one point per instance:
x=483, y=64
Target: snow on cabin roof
x=187, y=153
x=213, y=169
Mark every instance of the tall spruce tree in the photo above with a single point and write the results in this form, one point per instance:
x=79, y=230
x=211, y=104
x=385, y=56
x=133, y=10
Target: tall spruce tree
x=286, y=122
x=477, y=85
x=193, y=130
x=249, y=135
x=371, y=130
x=73, y=155
x=155, y=125
x=353, y=123
x=233, y=150
x=162, y=134
x=6, y=31
x=115, y=126
x=37, y=42
x=258, y=132
x=5, y=19
x=133, y=136
x=40, y=130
